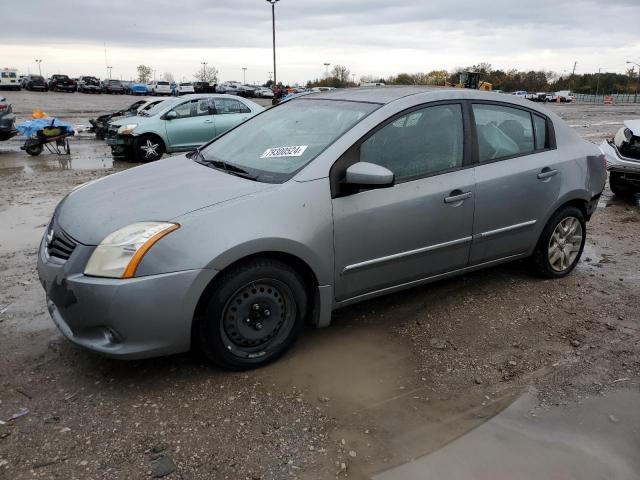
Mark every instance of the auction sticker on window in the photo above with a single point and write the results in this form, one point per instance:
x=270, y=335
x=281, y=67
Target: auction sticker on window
x=294, y=151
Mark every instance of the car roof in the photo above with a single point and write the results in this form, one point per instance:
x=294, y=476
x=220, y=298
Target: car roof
x=382, y=95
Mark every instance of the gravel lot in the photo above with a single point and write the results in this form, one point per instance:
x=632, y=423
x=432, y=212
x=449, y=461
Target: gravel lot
x=391, y=380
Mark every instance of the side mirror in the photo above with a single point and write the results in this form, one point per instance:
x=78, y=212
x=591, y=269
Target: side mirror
x=369, y=175
x=172, y=115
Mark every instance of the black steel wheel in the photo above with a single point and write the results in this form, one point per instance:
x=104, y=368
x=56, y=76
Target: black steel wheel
x=253, y=315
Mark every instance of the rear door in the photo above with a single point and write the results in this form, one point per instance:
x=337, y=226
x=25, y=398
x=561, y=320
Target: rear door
x=193, y=126
x=421, y=226
x=518, y=178
x=229, y=112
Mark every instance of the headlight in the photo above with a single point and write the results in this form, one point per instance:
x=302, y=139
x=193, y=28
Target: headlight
x=127, y=129
x=120, y=253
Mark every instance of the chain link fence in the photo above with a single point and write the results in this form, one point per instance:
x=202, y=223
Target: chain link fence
x=616, y=98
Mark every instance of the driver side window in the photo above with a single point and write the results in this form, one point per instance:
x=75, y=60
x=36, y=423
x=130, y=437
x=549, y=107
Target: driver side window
x=192, y=108
x=420, y=143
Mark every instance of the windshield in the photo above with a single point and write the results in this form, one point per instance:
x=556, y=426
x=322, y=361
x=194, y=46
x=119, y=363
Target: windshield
x=159, y=107
x=274, y=145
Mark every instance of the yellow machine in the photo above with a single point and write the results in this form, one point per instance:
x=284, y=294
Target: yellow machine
x=472, y=80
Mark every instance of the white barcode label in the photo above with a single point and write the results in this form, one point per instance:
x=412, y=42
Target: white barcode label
x=294, y=151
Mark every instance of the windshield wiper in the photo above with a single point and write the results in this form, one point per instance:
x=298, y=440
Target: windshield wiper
x=221, y=165
x=229, y=168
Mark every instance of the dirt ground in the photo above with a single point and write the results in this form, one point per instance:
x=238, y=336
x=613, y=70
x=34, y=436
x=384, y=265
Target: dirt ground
x=390, y=381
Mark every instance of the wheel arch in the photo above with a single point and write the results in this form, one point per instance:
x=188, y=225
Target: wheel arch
x=298, y=264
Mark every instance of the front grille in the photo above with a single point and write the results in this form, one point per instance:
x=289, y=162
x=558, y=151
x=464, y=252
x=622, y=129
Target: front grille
x=59, y=244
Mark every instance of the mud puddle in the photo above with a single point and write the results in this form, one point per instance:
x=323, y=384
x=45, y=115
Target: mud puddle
x=385, y=413
x=599, y=437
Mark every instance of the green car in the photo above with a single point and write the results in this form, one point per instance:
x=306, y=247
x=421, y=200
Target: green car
x=177, y=125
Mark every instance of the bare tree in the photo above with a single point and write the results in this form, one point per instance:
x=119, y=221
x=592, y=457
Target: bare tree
x=168, y=76
x=144, y=73
x=207, y=74
x=341, y=75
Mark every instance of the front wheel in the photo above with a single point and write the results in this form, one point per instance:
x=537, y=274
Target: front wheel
x=561, y=243
x=618, y=186
x=253, y=315
x=148, y=148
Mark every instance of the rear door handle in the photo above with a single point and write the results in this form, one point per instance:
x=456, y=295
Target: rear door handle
x=457, y=196
x=547, y=173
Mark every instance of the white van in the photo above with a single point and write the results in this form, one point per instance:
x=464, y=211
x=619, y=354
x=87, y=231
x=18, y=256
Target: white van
x=159, y=87
x=9, y=79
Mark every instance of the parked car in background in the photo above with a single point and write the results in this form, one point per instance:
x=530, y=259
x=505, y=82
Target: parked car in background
x=178, y=124
x=112, y=86
x=264, y=92
x=563, y=96
x=100, y=125
x=159, y=87
x=89, y=84
x=623, y=159
x=136, y=88
x=7, y=120
x=204, y=87
x=61, y=83
x=185, y=88
x=235, y=247
x=246, y=91
x=9, y=79
x=230, y=88
x=35, y=83
x=520, y=93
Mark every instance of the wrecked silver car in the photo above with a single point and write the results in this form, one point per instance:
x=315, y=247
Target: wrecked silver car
x=623, y=159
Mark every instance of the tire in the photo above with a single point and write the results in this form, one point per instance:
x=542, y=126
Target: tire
x=34, y=150
x=559, y=249
x=618, y=187
x=148, y=148
x=253, y=315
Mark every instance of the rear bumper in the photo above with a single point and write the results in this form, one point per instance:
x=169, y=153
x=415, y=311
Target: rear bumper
x=618, y=163
x=133, y=318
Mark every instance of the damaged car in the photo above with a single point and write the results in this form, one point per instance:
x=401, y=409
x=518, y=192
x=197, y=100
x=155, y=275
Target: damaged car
x=319, y=203
x=100, y=125
x=7, y=120
x=176, y=125
x=623, y=159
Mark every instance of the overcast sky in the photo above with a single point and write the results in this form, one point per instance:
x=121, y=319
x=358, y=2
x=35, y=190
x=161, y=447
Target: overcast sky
x=370, y=37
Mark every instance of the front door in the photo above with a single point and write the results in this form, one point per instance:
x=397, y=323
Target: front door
x=518, y=178
x=193, y=126
x=420, y=227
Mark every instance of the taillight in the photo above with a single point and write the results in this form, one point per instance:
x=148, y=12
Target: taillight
x=603, y=157
x=3, y=106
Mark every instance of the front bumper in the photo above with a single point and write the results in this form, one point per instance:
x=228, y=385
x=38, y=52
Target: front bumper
x=121, y=318
x=618, y=163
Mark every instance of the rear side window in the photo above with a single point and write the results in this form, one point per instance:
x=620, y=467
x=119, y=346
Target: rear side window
x=540, y=127
x=502, y=132
x=423, y=142
x=226, y=105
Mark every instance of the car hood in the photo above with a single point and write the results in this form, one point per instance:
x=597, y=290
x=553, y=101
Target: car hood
x=129, y=118
x=159, y=191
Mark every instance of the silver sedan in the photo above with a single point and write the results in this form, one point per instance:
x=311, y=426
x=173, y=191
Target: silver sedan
x=322, y=202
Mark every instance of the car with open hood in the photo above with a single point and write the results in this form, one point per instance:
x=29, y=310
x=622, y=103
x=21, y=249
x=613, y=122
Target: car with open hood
x=178, y=124
x=100, y=125
x=623, y=158
x=322, y=202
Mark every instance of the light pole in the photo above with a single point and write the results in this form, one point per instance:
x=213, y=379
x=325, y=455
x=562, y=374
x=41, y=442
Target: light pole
x=273, y=28
x=109, y=72
x=39, y=61
x=204, y=71
x=326, y=70
x=244, y=75
x=635, y=97
x=598, y=83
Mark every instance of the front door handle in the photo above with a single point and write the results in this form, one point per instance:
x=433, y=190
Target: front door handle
x=208, y=121
x=547, y=172
x=456, y=197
